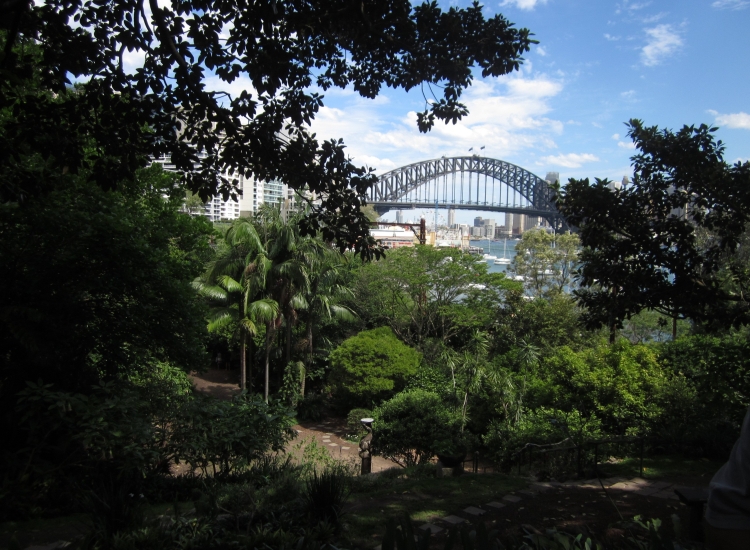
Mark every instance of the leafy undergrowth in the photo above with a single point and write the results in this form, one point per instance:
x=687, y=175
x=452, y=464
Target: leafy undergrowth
x=39, y=531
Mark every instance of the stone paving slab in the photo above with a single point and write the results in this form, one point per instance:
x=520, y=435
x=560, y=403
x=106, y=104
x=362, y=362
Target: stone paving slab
x=640, y=481
x=647, y=491
x=528, y=493
x=625, y=486
x=433, y=529
x=333, y=444
x=345, y=448
x=512, y=498
x=612, y=480
x=660, y=484
x=496, y=504
x=541, y=486
x=453, y=520
x=474, y=511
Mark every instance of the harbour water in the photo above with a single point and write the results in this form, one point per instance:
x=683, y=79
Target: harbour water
x=495, y=248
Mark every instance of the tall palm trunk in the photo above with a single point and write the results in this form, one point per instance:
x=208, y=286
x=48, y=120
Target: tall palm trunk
x=269, y=340
x=243, y=359
x=251, y=354
x=305, y=368
x=288, y=339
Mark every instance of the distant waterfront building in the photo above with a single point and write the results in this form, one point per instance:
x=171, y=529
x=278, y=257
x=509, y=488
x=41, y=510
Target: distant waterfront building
x=478, y=221
x=399, y=216
x=393, y=237
x=451, y=217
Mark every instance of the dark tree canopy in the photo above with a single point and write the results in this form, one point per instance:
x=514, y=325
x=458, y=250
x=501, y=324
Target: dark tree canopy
x=286, y=49
x=673, y=240
x=97, y=284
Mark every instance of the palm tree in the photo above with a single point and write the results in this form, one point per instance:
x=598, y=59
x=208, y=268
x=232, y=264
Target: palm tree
x=236, y=282
x=324, y=295
x=293, y=257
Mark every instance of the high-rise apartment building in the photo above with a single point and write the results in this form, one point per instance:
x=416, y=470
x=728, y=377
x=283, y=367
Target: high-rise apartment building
x=251, y=194
x=451, y=217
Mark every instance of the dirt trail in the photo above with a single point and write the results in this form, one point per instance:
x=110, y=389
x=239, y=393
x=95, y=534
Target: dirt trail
x=327, y=432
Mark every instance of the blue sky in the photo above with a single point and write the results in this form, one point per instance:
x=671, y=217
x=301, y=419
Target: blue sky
x=598, y=64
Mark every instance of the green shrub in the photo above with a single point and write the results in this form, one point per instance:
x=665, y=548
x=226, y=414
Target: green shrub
x=715, y=393
x=616, y=384
x=370, y=367
x=219, y=437
x=413, y=426
x=541, y=426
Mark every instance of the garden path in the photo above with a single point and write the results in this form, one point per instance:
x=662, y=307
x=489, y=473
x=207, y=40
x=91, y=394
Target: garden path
x=328, y=432
x=574, y=506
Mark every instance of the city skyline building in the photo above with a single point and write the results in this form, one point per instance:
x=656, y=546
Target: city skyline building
x=251, y=195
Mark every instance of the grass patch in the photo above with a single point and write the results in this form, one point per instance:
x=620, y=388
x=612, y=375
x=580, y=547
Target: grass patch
x=423, y=497
x=661, y=467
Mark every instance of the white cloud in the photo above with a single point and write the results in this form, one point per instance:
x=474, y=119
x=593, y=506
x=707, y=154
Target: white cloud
x=627, y=95
x=523, y=4
x=631, y=6
x=735, y=120
x=509, y=116
x=615, y=136
x=541, y=51
x=626, y=144
x=653, y=18
x=663, y=41
x=234, y=88
x=731, y=4
x=610, y=37
x=570, y=160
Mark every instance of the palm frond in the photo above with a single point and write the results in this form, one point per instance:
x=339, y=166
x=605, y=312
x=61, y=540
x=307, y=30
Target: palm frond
x=263, y=310
x=230, y=284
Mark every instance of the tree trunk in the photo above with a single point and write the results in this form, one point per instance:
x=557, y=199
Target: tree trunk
x=309, y=357
x=674, y=328
x=243, y=359
x=251, y=354
x=269, y=339
x=288, y=339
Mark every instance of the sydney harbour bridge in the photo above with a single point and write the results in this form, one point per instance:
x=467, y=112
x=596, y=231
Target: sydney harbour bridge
x=468, y=183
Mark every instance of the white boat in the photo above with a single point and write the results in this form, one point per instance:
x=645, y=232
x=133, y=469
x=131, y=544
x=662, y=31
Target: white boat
x=489, y=256
x=504, y=260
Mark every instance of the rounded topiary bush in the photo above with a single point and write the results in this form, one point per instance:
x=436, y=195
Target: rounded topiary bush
x=414, y=426
x=370, y=367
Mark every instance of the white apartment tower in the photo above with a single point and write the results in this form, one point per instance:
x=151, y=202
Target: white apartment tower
x=251, y=195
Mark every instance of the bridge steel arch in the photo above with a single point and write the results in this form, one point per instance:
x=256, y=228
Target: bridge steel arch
x=506, y=188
